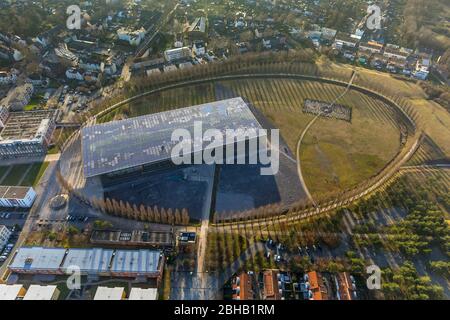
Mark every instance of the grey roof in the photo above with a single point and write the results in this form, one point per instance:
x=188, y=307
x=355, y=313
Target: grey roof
x=138, y=261
x=13, y=192
x=89, y=260
x=38, y=258
x=128, y=143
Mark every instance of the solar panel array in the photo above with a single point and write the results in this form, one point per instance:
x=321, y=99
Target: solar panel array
x=128, y=143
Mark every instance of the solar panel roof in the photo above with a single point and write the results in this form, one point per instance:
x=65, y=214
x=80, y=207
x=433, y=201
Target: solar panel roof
x=124, y=144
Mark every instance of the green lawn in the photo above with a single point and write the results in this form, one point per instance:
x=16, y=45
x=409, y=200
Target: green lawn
x=32, y=177
x=15, y=175
x=35, y=174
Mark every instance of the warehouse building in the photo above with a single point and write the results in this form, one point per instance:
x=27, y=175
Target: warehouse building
x=145, y=264
x=17, y=196
x=133, y=238
x=143, y=294
x=93, y=261
x=38, y=260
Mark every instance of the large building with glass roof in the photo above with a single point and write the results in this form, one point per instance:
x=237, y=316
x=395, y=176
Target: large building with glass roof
x=124, y=145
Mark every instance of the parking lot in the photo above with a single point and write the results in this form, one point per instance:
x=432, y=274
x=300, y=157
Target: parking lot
x=14, y=221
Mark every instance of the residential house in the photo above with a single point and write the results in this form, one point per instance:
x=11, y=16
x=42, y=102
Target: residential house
x=271, y=290
x=371, y=46
x=198, y=48
x=316, y=286
x=346, y=287
x=133, y=37
x=392, y=52
x=74, y=74
x=345, y=40
x=242, y=287
x=422, y=68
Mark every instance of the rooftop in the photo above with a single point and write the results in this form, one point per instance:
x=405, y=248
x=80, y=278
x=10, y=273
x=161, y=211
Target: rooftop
x=106, y=293
x=143, y=294
x=128, y=143
x=10, y=292
x=139, y=261
x=26, y=125
x=36, y=292
x=38, y=258
x=13, y=192
x=89, y=260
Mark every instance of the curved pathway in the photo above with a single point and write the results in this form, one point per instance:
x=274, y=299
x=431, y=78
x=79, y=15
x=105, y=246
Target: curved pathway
x=299, y=142
x=384, y=175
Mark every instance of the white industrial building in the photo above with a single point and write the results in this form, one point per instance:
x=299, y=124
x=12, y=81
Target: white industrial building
x=143, y=294
x=7, y=78
x=106, y=293
x=17, y=196
x=36, y=292
x=141, y=263
x=12, y=292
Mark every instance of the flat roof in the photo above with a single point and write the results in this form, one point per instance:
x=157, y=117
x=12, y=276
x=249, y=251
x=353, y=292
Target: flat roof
x=128, y=143
x=13, y=192
x=32, y=258
x=36, y=292
x=138, y=261
x=25, y=124
x=143, y=294
x=89, y=260
x=142, y=261
x=10, y=292
x=106, y=293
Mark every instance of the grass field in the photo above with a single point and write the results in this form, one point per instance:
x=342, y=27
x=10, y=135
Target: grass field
x=335, y=154
x=23, y=174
